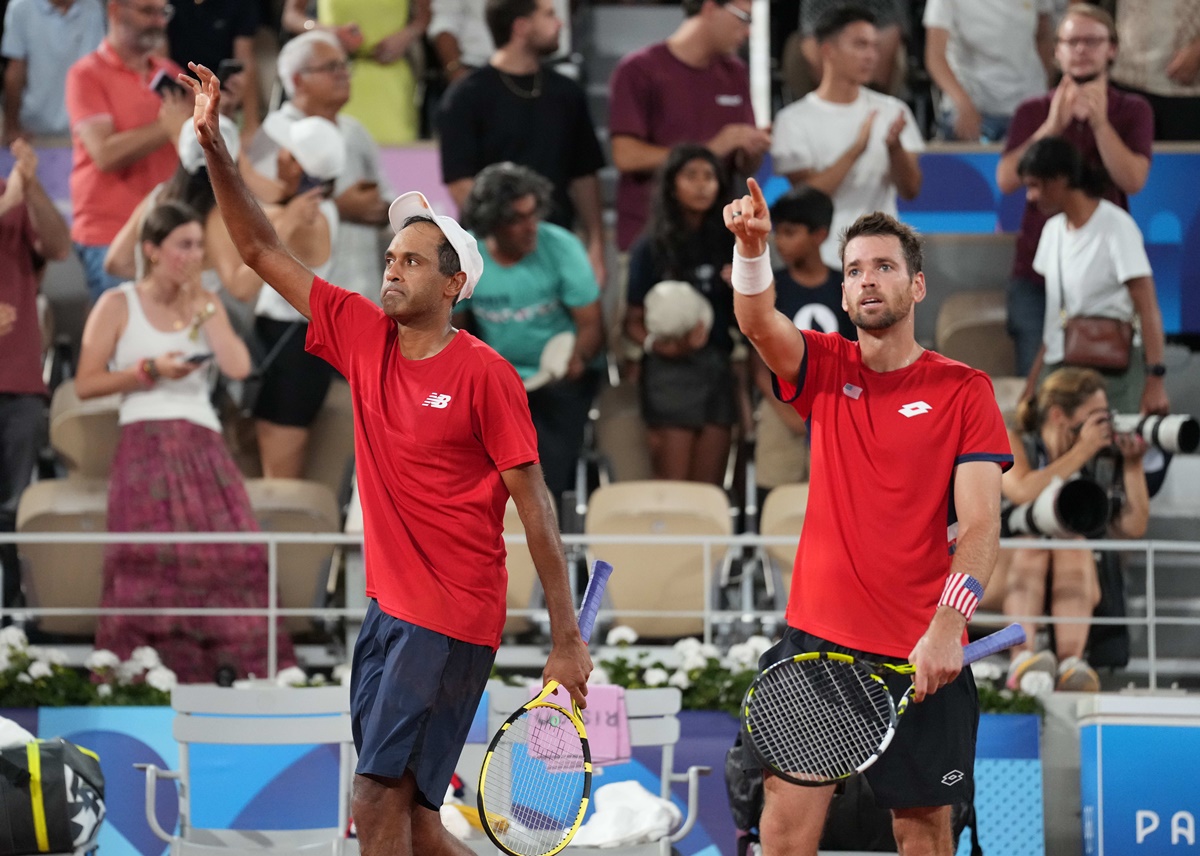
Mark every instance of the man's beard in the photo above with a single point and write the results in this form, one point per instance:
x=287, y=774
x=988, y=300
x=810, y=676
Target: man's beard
x=1087, y=78
x=889, y=318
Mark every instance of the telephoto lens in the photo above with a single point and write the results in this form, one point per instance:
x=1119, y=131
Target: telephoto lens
x=1064, y=509
x=1177, y=433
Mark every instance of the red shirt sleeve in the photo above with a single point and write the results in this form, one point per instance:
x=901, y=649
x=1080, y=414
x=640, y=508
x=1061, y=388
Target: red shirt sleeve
x=502, y=420
x=983, y=436
x=340, y=320
x=818, y=367
x=85, y=97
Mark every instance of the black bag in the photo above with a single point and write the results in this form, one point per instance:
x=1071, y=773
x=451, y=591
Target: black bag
x=51, y=798
x=252, y=384
x=744, y=783
x=1108, y=644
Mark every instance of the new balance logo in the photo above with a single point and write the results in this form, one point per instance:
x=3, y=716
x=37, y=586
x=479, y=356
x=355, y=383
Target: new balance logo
x=437, y=400
x=952, y=778
x=916, y=408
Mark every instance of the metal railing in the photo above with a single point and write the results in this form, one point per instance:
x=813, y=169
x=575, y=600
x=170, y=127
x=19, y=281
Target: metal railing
x=715, y=550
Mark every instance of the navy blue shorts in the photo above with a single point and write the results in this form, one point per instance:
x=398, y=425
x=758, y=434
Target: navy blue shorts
x=931, y=760
x=413, y=694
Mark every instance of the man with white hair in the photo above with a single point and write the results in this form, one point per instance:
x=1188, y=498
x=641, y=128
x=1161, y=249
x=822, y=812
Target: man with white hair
x=316, y=78
x=442, y=438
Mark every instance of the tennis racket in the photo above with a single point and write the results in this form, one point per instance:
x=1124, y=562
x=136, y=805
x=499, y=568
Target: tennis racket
x=817, y=718
x=537, y=774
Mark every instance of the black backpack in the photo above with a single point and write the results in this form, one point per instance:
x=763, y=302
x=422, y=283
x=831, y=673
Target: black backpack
x=51, y=798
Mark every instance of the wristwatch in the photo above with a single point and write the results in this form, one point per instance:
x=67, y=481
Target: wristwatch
x=1155, y=370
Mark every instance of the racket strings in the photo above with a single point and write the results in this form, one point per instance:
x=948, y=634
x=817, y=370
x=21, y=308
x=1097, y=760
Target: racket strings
x=534, y=782
x=819, y=720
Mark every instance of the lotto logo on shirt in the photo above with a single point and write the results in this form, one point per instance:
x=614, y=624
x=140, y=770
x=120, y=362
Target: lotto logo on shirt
x=915, y=408
x=436, y=400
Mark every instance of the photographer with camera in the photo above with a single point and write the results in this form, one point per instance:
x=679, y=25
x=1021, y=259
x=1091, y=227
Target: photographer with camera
x=1066, y=432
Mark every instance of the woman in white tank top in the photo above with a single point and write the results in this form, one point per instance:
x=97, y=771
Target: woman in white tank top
x=172, y=472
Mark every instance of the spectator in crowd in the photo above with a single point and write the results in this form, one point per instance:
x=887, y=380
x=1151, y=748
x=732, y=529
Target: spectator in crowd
x=42, y=39
x=311, y=153
x=1160, y=60
x=689, y=396
x=986, y=58
x=123, y=131
x=315, y=75
x=1061, y=432
x=890, y=17
x=810, y=293
x=1094, y=263
x=689, y=89
x=148, y=340
x=214, y=31
x=1111, y=129
x=855, y=144
x=32, y=232
x=460, y=37
x=536, y=284
x=515, y=109
x=383, y=84
x=298, y=18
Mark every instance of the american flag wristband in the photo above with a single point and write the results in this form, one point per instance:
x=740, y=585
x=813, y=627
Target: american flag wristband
x=962, y=592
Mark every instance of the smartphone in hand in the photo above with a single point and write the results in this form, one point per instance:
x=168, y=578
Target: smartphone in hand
x=164, y=82
x=197, y=359
x=228, y=68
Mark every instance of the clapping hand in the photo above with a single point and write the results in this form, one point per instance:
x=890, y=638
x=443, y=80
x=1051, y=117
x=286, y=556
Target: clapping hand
x=207, y=109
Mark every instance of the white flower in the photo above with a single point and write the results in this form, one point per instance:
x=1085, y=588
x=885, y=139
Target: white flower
x=690, y=645
x=341, y=674
x=40, y=669
x=680, y=679
x=4, y=659
x=655, y=676
x=621, y=635
x=24, y=678
x=292, y=676
x=161, y=678
x=759, y=644
x=13, y=637
x=55, y=655
x=741, y=657
x=146, y=657
x=709, y=650
x=104, y=690
x=693, y=660
x=1037, y=684
x=102, y=660
x=984, y=670
x=129, y=671
x=599, y=676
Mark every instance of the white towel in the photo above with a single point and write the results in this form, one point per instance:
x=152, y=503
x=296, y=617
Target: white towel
x=626, y=813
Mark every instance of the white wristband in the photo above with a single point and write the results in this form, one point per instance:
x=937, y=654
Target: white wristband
x=751, y=276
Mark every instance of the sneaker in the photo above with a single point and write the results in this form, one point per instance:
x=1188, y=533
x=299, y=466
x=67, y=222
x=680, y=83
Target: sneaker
x=1027, y=662
x=1076, y=676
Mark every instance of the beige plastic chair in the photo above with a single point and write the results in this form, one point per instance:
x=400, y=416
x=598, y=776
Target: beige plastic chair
x=667, y=578
x=961, y=264
x=783, y=515
x=297, y=505
x=84, y=433
x=1008, y=395
x=971, y=329
x=210, y=715
x=57, y=574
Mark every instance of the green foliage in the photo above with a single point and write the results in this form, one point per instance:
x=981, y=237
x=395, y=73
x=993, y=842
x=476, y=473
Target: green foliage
x=994, y=699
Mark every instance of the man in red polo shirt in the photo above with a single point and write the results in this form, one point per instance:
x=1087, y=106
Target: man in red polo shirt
x=122, y=131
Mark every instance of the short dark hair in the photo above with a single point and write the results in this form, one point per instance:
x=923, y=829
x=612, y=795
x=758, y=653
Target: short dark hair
x=804, y=205
x=495, y=189
x=448, y=261
x=834, y=20
x=164, y=218
x=502, y=14
x=1055, y=157
x=879, y=224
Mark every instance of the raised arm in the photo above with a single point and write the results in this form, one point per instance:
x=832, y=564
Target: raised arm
x=771, y=332
x=251, y=231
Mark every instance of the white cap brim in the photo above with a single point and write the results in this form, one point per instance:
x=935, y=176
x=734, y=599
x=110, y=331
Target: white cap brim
x=414, y=204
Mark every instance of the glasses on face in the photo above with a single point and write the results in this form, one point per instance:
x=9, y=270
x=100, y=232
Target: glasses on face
x=741, y=14
x=334, y=66
x=1089, y=42
x=167, y=12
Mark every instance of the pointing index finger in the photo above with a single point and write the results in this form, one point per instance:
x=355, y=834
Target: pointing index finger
x=756, y=194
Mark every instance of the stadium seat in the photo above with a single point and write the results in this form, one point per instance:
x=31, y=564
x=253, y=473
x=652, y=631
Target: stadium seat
x=621, y=433
x=58, y=574
x=296, y=505
x=667, y=578
x=971, y=329
x=1008, y=395
x=783, y=516
x=84, y=433
x=961, y=264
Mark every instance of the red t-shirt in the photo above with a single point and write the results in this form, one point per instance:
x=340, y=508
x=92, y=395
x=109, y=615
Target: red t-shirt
x=1130, y=116
x=880, y=526
x=101, y=85
x=431, y=438
x=21, y=349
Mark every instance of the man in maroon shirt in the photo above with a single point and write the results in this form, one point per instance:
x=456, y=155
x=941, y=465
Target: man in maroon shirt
x=31, y=232
x=689, y=89
x=1113, y=130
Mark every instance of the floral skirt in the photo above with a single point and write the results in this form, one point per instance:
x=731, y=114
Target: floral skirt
x=175, y=476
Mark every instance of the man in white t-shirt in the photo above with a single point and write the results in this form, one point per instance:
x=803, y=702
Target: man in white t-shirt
x=1094, y=262
x=986, y=56
x=857, y=145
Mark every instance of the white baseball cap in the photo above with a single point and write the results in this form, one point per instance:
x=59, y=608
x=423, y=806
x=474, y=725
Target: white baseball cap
x=191, y=156
x=314, y=141
x=414, y=204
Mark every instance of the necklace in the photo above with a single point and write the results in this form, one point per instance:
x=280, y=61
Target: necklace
x=534, y=91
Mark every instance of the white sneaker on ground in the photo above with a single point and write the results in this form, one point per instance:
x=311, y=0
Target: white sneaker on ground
x=1027, y=662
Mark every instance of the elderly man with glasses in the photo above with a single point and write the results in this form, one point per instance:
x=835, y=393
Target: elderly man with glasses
x=123, y=129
